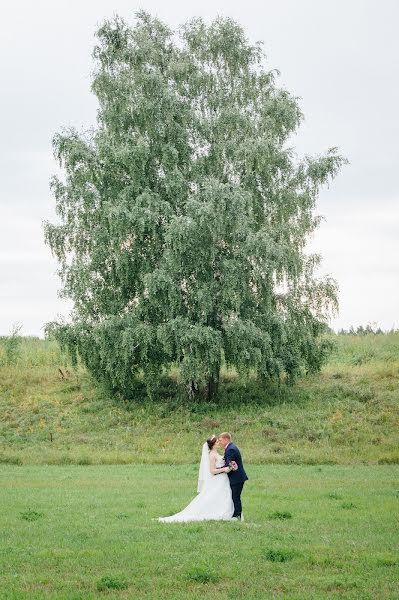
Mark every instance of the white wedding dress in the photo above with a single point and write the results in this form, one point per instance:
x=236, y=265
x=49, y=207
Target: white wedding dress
x=214, y=500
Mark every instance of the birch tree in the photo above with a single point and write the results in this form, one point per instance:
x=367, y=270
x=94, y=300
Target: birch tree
x=184, y=215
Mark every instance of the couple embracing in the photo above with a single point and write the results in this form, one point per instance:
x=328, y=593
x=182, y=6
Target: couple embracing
x=220, y=483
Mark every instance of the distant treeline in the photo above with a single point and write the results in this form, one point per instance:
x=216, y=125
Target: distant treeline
x=360, y=330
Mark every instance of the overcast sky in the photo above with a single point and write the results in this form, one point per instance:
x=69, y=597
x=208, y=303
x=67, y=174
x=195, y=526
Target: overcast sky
x=341, y=58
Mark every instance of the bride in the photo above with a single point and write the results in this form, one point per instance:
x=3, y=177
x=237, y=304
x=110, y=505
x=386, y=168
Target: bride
x=214, y=500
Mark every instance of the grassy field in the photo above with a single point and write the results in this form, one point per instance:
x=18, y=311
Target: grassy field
x=310, y=532
x=348, y=414
x=83, y=473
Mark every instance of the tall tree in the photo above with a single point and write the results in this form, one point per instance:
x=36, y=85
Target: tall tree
x=185, y=214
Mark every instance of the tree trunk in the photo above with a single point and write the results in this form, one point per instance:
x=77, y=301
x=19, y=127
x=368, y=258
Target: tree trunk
x=212, y=386
x=192, y=390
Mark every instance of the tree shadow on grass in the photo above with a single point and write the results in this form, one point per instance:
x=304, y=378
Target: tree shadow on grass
x=232, y=393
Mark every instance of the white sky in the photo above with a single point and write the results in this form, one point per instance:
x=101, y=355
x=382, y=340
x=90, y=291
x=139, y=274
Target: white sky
x=341, y=58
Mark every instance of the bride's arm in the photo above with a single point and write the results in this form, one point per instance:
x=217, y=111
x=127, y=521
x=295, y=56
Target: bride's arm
x=213, y=468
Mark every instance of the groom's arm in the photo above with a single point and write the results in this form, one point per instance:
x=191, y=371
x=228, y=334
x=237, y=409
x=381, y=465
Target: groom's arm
x=229, y=455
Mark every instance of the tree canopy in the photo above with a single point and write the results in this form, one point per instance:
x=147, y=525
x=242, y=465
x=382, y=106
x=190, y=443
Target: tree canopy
x=184, y=214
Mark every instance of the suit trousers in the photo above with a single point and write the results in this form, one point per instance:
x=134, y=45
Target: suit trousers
x=236, y=489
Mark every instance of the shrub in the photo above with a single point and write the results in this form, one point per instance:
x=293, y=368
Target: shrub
x=202, y=575
x=10, y=460
x=30, y=515
x=282, y=515
x=348, y=505
x=111, y=582
x=12, y=345
x=279, y=555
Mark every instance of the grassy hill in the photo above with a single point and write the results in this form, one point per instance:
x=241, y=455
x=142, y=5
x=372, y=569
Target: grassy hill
x=348, y=414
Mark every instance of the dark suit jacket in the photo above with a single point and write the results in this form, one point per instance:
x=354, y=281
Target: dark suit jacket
x=233, y=453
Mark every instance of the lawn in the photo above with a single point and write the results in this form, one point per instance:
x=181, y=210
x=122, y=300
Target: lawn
x=82, y=474
x=82, y=532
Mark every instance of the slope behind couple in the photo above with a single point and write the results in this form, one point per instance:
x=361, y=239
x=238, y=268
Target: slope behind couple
x=220, y=483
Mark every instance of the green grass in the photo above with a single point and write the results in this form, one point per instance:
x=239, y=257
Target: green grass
x=83, y=474
x=347, y=414
x=77, y=532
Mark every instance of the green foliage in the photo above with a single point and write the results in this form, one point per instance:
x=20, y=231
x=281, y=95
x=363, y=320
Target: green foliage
x=281, y=515
x=184, y=214
x=111, y=582
x=202, y=575
x=278, y=555
x=370, y=328
x=11, y=345
x=33, y=352
x=30, y=515
x=348, y=505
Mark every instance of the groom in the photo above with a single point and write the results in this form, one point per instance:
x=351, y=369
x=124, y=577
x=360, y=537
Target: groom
x=237, y=478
